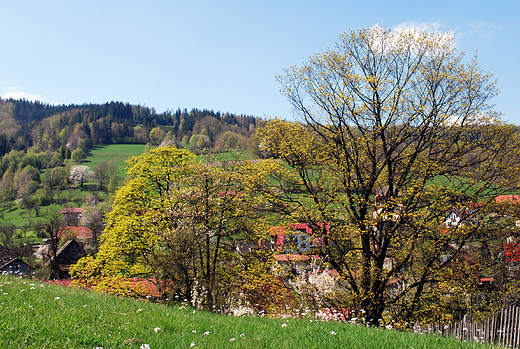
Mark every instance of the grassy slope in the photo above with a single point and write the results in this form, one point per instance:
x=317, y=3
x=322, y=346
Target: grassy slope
x=35, y=318
x=113, y=152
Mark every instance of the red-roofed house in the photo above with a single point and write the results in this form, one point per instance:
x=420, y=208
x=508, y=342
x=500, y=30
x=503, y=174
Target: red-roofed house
x=294, y=243
x=296, y=237
x=515, y=199
x=82, y=233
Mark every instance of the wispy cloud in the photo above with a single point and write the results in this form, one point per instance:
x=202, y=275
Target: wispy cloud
x=17, y=93
x=435, y=28
x=429, y=27
x=482, y=29
x=421, y=26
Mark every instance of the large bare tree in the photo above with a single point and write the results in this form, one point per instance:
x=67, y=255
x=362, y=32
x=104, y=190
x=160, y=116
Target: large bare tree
x=394, y=128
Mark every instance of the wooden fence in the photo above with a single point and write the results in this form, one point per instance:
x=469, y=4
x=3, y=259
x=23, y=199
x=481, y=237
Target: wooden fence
x=503, y=328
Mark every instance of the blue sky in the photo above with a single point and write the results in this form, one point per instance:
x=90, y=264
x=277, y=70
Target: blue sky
x=221, y=55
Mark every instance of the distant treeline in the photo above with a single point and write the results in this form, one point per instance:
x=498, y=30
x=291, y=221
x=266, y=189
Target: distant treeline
x=65, y=128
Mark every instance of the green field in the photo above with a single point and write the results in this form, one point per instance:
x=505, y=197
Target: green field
x=118, y=153
x=37, y=315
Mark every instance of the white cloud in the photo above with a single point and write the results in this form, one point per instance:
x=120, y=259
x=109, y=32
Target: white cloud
x=17, y=93
x=428, y=27
x=421, y=26
x=412, y=33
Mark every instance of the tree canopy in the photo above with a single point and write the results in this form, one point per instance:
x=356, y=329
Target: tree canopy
x=174, y=222
x=394, y=128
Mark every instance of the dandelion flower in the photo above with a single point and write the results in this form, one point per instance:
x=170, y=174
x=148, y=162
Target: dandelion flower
x=157, y=329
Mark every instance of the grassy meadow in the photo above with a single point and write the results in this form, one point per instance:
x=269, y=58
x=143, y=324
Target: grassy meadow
x=41, y=315
x=118, y=153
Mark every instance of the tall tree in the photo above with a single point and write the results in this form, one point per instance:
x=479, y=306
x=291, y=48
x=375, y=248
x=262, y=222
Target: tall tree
x=394, y=129
x=174, y=222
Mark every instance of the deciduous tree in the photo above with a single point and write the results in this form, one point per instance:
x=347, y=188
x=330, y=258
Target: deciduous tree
x=394, y=129
x=174, y=222
x=80, y=174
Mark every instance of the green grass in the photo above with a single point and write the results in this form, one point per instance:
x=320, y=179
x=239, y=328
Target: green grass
x=113, y=152
x=32, y=316
x=225, y=156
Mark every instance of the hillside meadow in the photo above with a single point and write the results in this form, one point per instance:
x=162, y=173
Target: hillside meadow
x=42, y=315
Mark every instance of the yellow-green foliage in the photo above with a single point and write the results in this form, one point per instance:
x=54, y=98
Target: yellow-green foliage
x=129, y=235
x=394, y=131
x=174, y=222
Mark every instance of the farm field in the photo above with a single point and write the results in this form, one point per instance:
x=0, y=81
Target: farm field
x=41, y=315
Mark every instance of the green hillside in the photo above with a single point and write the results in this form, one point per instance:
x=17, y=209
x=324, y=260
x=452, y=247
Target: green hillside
x=37, y=315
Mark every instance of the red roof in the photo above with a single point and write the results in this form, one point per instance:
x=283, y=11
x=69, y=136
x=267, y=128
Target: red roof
x=72, y=210
x=510, y=198
x=294, y=257
x=81, y=232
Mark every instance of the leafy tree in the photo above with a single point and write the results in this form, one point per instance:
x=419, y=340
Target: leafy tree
x=93, y=217
x=113, y=184
x=103, y=171
x=394, y=130
x=156, y=136
x=78, y=155
x=80, y=174
x=173, y=221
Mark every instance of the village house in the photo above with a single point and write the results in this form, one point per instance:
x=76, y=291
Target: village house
x=16, y=266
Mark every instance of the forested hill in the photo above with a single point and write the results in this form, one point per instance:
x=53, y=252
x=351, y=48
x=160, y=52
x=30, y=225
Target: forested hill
x=65, y=128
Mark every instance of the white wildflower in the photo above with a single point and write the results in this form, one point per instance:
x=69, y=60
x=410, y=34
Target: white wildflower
x=284, y=325
x=232, y=339
x=206, y=333
x=57, y=298
x=332, y=332
x=157, y=329
x=144, y=346
x=192, y=344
